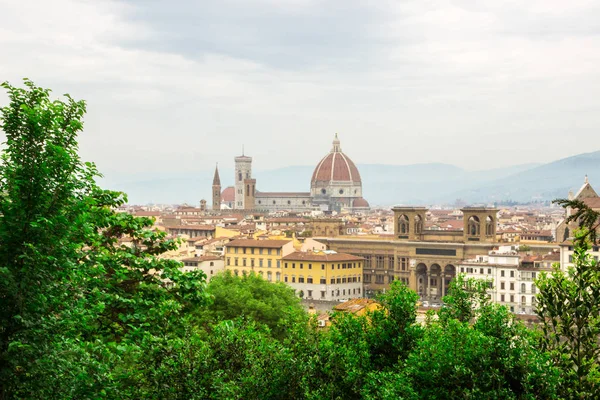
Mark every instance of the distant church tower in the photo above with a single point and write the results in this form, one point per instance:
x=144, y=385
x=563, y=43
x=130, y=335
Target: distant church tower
x=243, y=172
x=216, y=187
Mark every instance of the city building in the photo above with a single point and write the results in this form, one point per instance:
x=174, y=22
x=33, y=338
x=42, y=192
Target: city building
x=263, y=257
x=210, y=265
x=324, y=275
x=335, y=185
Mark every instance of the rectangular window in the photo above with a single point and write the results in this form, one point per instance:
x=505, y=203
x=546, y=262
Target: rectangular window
x=293, y=265
x=310, y=293
x=323, y=281
x=252, y=250
x=260, y=251
x=260, y=262
x=285, y=278
x=501, y=285
x=379, y=262
x=322, y=294
x=344, y=280
x=332, y=281
x=367, y=278
x=332, y=266
x=502, y=273
x=293, y=279
x=322, y=266
x=481, y=271
x=301, y=266
x=300, y=279
x=367, y=258
x=390, y=278
x=269, y=263
x=309, y=266
x=512, y=274
x=244, y=262
x=502, y=298
x=269, y=251
x=252, y=262
x=338, y=280
x=278, y=251
x=228, y=260
x=512, y=298
x=339, y=266
x=391, y=262
x=278, y=263
x=379, y=279
x=489, y=270
x=309, y=280
x=512, y=286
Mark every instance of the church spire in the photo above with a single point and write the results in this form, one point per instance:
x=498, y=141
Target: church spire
x=336, y=145
x=217, y=179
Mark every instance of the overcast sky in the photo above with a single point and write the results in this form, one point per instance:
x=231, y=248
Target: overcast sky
x=180, y=85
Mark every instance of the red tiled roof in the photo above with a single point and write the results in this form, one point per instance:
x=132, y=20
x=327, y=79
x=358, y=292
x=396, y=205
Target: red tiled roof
x=201, y=258
x=267, y=244
x=320, y=257
x=228, y=194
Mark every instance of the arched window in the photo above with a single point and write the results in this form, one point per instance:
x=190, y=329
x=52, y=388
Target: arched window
x=212, y=264
x=240, y=176
x=403, y=225
x=567, y=233
x=489, y=226
x=533, y=288
x=523, y=288
x=473, y=226
x=418, y=224
x=523, y=300
x=278, y=276
x=248, y=189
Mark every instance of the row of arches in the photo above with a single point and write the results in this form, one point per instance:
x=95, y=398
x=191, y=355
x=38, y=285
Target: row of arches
x=433, y=281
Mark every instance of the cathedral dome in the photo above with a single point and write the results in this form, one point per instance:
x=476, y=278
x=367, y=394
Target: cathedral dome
x=360, y=203
x=335, y=167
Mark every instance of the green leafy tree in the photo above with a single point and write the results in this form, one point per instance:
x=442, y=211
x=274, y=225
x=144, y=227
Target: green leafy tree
x=77, y=306
x=568, y=305
x=465, y=299
x=253, y=298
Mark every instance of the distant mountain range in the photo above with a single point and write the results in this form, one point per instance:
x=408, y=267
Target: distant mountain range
x=385, y=185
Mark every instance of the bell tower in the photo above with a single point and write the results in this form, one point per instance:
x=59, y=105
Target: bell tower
x=216, y=190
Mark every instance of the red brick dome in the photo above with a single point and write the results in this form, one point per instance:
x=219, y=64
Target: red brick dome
x=336, y=166
x=360, y=203
x=228, y=195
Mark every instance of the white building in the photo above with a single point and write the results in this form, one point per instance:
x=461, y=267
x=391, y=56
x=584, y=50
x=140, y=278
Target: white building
x=210, y=265
x=511, y=282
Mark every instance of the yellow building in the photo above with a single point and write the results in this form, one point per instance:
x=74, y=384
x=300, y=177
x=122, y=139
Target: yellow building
x=324, y=275
x=263, y=257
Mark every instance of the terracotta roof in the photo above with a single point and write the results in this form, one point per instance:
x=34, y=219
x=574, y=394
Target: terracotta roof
x=192, y=227
x=321, y=257
x=201, y=258
x=267, y=244
x=354, y=305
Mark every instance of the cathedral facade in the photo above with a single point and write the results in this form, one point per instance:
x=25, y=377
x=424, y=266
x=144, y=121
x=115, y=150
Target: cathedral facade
x=335, y=185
